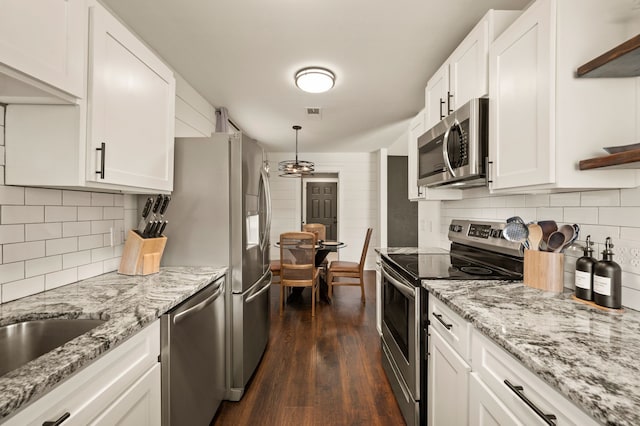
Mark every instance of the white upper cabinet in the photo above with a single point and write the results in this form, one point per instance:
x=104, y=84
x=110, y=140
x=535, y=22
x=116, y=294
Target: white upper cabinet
x=464, y=75
x=42, y=50
x=120, y=137
x=544, y=120
x=132, y=98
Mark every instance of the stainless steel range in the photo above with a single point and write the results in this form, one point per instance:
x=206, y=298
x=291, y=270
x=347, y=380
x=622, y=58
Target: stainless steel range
x=478, y=252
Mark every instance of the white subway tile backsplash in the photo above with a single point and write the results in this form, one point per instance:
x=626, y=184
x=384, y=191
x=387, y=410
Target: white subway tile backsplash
x=130, y=220
x=74, y=229
x=118, y=200
x=90, y=270
x=581, y=215
x=22, y=251
x=60, y=278
x=555, y=213
x=1, y=117
x=43, y=231
x=61, y=245
x=527, y=214
x=609, y=198
x=78, y=258
x=620, y=216
x=630, y=234
x=100, y=199
x=101, y=226
x=43, y=265
x=90, y=242
x=76, y=198
x=11, y=272
x=90, y=213
x=536, y=200
x=130, y=202
x=103, y=253
x=2, y=161
x=13, y=195
x=1, y=175
x=21, y=214
x=42, y=197
x=564, y=199
x=113, y=213
x=17, y=289
x=60, y=214
x=111, y=264
x=630, y=197
x=11, y=234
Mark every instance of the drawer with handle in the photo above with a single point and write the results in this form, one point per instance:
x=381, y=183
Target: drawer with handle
x=451, y=326
x=527, y=397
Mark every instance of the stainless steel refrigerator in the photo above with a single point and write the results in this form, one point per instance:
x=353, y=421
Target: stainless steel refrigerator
x=220, y=214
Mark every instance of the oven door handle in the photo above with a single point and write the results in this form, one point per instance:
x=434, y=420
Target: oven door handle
x=401, y=287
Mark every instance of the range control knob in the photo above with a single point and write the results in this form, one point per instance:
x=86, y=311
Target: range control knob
x=455, y=228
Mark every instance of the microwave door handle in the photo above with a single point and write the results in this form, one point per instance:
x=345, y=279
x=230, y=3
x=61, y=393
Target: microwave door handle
x=445, y=148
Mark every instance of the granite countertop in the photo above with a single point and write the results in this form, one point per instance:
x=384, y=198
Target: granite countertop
x=587, y=354
x=128, y=303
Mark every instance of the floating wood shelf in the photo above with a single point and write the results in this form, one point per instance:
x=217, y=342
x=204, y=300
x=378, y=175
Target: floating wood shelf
x=620, y=160
x=621, y=61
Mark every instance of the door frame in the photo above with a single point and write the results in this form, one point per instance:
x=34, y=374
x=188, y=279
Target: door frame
x=303, y=198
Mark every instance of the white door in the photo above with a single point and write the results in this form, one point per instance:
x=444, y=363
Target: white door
x=485, y=409
x=448, y=383
x=45, y=39
x=521, y=107
x=436, y=97
x=132, y=102
x=468, y=67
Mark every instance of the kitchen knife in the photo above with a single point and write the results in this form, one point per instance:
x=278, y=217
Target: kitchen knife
x=158, y=203
x=147, y=229
x=154, y=228
x=165, y=205
x=145, y=215
x=161, y=230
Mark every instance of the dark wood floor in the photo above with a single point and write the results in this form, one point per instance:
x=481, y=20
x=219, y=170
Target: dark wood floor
x=321, y=371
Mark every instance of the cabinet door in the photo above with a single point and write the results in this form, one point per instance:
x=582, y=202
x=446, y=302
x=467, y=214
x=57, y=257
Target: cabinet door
x=468, y=67
x=485, y=409
x=522, y=93
x=416, y=128
x=448, y=383
x=436, y=97
x=45, y=39
x=137, y=406
x=132, y=103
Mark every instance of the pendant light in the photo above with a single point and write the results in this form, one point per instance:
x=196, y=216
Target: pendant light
x=295, y=168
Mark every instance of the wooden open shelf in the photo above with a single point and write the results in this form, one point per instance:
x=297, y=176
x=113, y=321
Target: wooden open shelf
x=621, y=61
x=620, y=160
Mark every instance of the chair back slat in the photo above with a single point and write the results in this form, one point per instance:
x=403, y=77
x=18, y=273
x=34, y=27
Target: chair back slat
x=365, y=248
x=317, y=228
x=297, y=257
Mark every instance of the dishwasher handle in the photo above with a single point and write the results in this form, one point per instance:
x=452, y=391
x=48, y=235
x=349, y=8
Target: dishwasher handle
x=200, y=306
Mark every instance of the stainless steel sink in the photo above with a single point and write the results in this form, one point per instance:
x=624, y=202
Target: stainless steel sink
x=25, y=341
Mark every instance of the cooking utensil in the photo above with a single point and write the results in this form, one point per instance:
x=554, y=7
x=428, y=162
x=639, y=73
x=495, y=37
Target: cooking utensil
x=147, y=229
x=556, y=241
x=165, y=204
x=548, y=227
x=161, y=230
x=517, y=232
x=145, y=214
x=515, y=219
x=573, y=237
x=535, y=236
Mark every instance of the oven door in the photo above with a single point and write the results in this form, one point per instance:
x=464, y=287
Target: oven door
x=401, y=327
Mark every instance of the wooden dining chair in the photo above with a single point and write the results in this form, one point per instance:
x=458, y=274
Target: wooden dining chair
x=297, y=265
x=317, y=228
x=354, y=270
x=274, y=266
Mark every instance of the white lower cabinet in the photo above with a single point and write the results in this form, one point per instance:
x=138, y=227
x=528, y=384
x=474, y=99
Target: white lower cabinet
x=485, y=409
x=121, y=387
x=448, y=383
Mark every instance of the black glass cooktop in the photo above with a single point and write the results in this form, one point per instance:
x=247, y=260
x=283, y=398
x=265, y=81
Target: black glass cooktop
x=460, y=264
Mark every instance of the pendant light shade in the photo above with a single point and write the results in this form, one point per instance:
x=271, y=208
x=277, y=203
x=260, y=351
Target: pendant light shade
x=315, y=80
x=295, y=168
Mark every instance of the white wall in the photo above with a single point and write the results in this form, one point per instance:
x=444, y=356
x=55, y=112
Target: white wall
x=357, y=199
x=601, y=214
x=52, y=237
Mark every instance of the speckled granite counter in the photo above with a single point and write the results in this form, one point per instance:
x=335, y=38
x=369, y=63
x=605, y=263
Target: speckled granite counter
x=589, y=355
x=127, y=303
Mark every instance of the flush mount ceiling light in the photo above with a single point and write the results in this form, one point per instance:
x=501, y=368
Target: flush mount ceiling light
x=295, y=168
x=315, y=80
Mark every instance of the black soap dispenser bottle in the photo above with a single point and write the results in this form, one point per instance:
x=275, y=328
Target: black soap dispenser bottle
x=607, y=280
x=584, y=272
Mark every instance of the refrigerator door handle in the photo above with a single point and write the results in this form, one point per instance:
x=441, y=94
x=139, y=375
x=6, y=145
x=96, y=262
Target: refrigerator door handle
x=267, y=193
x=263, y=289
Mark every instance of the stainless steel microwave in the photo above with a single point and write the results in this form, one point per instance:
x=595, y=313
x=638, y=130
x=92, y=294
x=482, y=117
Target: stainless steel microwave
x=454, y=151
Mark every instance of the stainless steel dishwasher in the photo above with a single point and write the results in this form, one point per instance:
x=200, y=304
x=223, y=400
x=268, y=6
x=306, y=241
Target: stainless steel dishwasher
x=193, y=358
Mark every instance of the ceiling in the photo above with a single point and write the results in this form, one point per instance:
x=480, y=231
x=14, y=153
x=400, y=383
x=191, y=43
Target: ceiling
x=242, y=54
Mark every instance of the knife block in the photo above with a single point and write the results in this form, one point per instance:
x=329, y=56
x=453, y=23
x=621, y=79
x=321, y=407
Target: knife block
x=141, y=256
x=544, y=270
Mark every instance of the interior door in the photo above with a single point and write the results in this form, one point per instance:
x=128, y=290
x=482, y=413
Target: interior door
x=322, y=206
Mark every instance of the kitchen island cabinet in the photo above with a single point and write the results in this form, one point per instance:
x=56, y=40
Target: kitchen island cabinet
x=42, y=50
x=110, y=372
x=543, y=119
x=119, y=138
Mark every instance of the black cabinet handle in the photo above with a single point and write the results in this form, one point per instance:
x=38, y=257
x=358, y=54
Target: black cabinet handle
x=519, y=390
x=489, y=166
x=449, y=97
x=59, y=421
x=103, y=154
x=441, y=114
x=439, y=318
